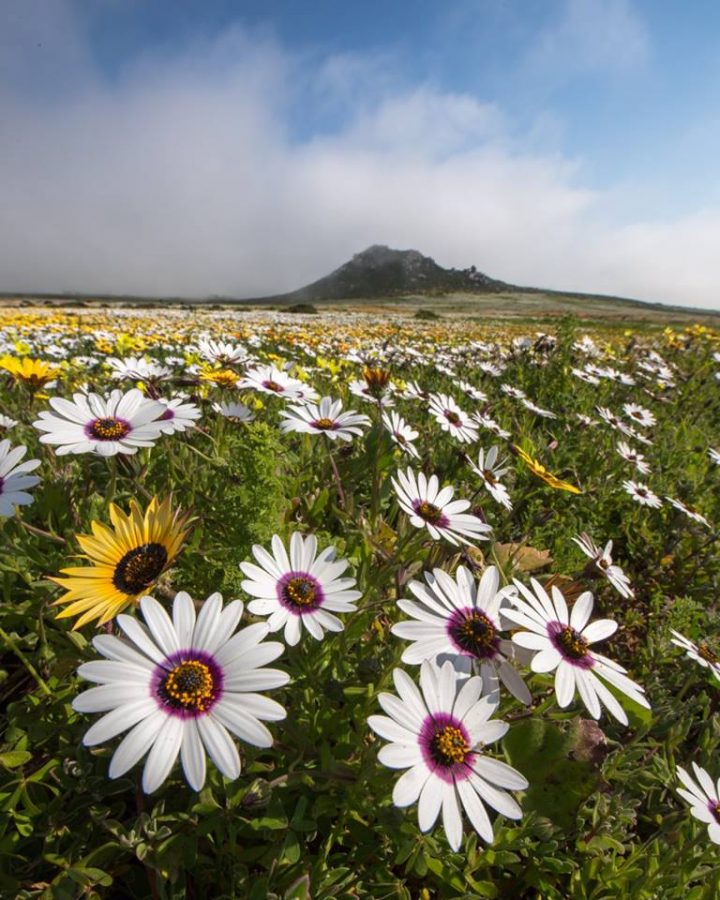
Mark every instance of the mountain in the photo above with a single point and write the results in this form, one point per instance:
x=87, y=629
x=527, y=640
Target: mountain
x=380, y=271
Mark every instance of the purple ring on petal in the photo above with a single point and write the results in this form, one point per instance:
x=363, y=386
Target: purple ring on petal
x=571, y=645
x=473, y=633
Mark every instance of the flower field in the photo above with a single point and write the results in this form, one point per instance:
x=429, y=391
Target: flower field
x=357, y=606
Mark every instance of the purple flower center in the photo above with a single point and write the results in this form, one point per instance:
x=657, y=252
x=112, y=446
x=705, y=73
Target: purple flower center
x=2, y=482
x=108, y=429
x=473, y=633
x=273, y=386
x=168, y=414
x=714, y=807
x=452, y=417
x=446, y=747
x=570, y=644
x=187, y=684
x=431, y=513
x=300, y=592
x=324, y=424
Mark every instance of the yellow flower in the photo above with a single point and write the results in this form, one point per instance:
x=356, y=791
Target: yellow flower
x=33, y=372
x=224, y=378
x=127, y=561
x=538, y=469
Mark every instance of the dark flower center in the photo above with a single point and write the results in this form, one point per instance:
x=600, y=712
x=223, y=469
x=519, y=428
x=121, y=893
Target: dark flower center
x=168, y=414
x=399, y=438
x=108, y=429
x=489, y=477
x=714, y=806
x=324, y=424
x=300, y=592
x=139, y=568
x=190, y=686
x=429, y=512
x=642, y=492
x=273, y=386
x=452, y=417
x=448, y=746
x=571, y=644
x=474, y=633
x=704, y=652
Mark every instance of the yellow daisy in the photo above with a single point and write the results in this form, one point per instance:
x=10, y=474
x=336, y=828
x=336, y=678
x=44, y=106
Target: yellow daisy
x=127, y=561
x=33, y=372
x=538, y=469
x=224, y=378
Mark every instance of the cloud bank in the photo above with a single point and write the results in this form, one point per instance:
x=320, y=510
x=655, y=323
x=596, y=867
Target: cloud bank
x=191, y=174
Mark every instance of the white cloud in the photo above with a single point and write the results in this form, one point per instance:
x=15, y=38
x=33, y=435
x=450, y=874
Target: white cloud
x=185, y=177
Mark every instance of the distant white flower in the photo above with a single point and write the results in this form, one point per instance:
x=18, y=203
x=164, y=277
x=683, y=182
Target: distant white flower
x=642, y=494
x=327, y=418
x=703, y=796
x=585, y=376
x=452, y=419
x=472, y=392
x=434, y=509
x=178, y=415
x=440, y=736
x=603, y=564
x=491, y=425
x=235, y=412
x=119, y=423
x=302, y=589
x=701, y=653
x=607, y=416
x=401, y=433
x=562, y=643
x=538, y=410
x=181, y=686
x=271, y=380
x=714, y=455
x=689, y=511
x=137, y=369
x=461, y=619
x=222, y=352
x=491, y=471
x=6, y=423
x=14, y=479
x=512, y=391
x=637, y=459
x=639, y=414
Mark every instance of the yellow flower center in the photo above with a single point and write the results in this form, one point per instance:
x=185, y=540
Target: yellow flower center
x=189, y=685
x=109, y=429
x=324, y=424
x=573, y=645
x=300, y=592
x=429, y=512
x=449, y=747
x=704, y=652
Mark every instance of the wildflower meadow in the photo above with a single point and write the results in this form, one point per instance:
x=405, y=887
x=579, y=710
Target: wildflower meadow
x=357, y=605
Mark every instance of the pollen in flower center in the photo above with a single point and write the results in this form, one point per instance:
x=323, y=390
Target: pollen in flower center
x=323, y=424
x=452, y=417
x=139, y=568
x=189, y=686
x=715, y=809
x=429, y=512
x=704, y=652
x=108, y=429
x=571, y=643
x=449, y=747
x=489, y=477
x=474, y=633
x=300, y=592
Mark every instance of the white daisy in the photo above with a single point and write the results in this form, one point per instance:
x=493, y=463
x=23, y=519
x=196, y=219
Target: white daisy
x=714, y=455
x=601, y=562
x=585, y=376
x=689, y=511
x=452, y=419
x=119, y=423
x=401, y=433
x=637, y=459
x=491, y=425
x=434, y=509
x=178, y=415
x=137, y=369
x=639, y=414
x=538, y=410
x=326, y=418
x=642, y=494
x=490, y=471
x=702, y=653
x=14, y=478
x=271, y=380
x=302, y=589
x=460, y=619
x=439, y=735
x=472, y=392
x=608, y=416
x=703, y=796
x=562, y=643
x=222, y=352
x=6, y=423
x=181, y=686
x=512, y=391
x=235, y=412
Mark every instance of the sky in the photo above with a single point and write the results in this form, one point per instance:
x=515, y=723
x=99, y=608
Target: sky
x=231, y=148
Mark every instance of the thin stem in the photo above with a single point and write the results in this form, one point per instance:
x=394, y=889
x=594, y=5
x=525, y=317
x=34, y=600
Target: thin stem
x=10, y=643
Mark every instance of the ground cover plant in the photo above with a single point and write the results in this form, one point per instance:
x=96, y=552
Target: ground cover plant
x=356, y=606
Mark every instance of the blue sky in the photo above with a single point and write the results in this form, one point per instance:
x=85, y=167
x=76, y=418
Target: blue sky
x=246, y=147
